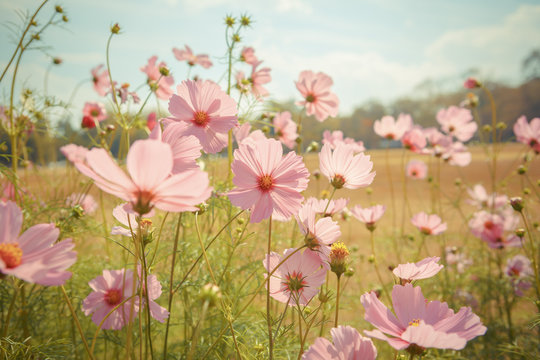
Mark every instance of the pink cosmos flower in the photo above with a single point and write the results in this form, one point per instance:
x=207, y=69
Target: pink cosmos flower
x=125, y=215
x=34, y=256
x=419, y=323
x=416, y=169
x=318, y=100
x=149, y=183
x=528, y=133
x=348, y=345
x=100, y=78
x=319, y=234
x=457, y=155
x=248, y=56
x=8, y=192
x=192, y=59
x=471, y=83
x=370, y=215
x=267, y=182
x=164, y=87
x=92, y=113
x=86, y=201
x=422, y=269
x=242, y=133
x=491, y=229
x=323, y=207
x=151, y=120
x=298, y=279
x=335, y=137
x=258, y=79
x=391, y=129
x=344, y=169
x=414, y=139
x=438, y=142
x=186, y=149
x=429, y=224
x=74, y=153
x=285, y=129
x=123, y=93
x=154, y=291
x=109, y=291
x=209, y=111
x=520, y=272
x=242, y=83
x=458, y=122
x=453, y=257
x=481, y=199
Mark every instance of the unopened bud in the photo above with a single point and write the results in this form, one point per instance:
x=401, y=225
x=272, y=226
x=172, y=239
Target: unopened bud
x=487, y=128
x=516, y=203
x=57, y=61
x=240, y=221
x=350, y=272
x=323, y=297
x=110, y=128
x=313, y=147
x=164, y=71
x=210, y=293
x=265, y=129
x=59, y=9
x=317, y=175
x=115, y=29
x=369, y=190
x=471, y=83
x=522, y=169
x=501, y=126
x=203, y=207
x=458, y=182
x=371, y=259
x=520, y=232
x=64, y=18
x=339, y=254
x=526, y=191
x=77, y=211
x=36, y=37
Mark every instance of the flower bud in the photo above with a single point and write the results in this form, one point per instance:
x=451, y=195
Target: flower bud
x=522, y=169
x=110, y=128
x=313, y=147
x=501, y=126
x=317, y=175
x=36, y=37
x=240, y=221
x=245, y=20
x=339, y=254
x=516, y=203
x=57, y=61
x=471, y=83
x=369, y=190
x=371, y=259
x=323, y=297
x=236, y=38
x=64, y=18
x=458, y=182
x=526, y=191
x=77, y=211
x=203, y=207
x=350, y=272
x=115, y=29
x=487, y=128
x=164, y=71
x=520, y=232
x=59, y=9
x=265, y=129
x=229, y=21
x=210, y=293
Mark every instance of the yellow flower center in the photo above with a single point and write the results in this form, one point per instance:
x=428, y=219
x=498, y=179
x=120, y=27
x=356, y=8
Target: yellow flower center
x=11, y=255
x=266, y=182
x=414, y=322
x=201, y=118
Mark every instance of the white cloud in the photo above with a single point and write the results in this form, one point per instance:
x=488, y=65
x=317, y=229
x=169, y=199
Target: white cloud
x=293, y=6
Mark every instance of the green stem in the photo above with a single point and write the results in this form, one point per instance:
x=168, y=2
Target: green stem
x=204, y=250
x=195, y=337
x=376, y=266
x=392, y=197
x=77, y=323
x=337, y=301
x=268, y=319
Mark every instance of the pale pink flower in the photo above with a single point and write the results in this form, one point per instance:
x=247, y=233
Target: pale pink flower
x=242, y=133
x=327, y=207
x=422, y=269
x=34, y=256
x=528, y=133
x=74, y=153
x=192, y=59
x=416, y=169
x=285, y=129
x=458, y=122
x=125, y=215
x=186, y=149
x=243, y=84
x=420, y=323
x=258, y=79
x=266, y=181
x=109, y=290
x=209, y=111
x=429, y=224
x=348, y=345
x=520, y=272
x=318, y=100
x=86, y=201
x=345, y=169
x=123, y=93
x=481, y=199
x=248, y=55
x=95, y=110
x=164, y=87
x=319, y=234
x=370, y=215
x=391, y=129
x=453, y=257
x=414, y=140
x=298, y=279
x=100, y=79
x=149, y=164
x=154, y=291
x=438, y=142
x=8, y=192
x=491, y=229
x=335, y=137
x=457, y=155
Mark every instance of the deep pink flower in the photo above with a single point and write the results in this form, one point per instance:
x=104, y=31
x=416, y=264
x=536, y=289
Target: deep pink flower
x=319, y=234
x=414, y=139
x=164, y=87
x=209, y=111
x=192, y=59
x=186, y=149
x=520, y=272
x=370, y=215
x=345, y=169
x=86, y=201
x=248, y=55
x=422, y=269
x=74, y=153
x=419, y=323
x=391, y=129
x=151, y=120
x=149, y=164
x=267, y=182
x=285, y=129
x=491, y=229
x=318, y=100
x=416, y=169
x=335, y=137
x=471, y=83
x=258, y=79
x=323, y=207
x=458, y=122
x=109, y=291
x=100, y=79
x=348, y=345
x=429, y=224
x=95, y=110
x=33, y=256
x=298, y=279
x=528, y=133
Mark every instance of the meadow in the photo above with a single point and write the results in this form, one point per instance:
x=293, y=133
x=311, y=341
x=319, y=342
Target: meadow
x=220, y=234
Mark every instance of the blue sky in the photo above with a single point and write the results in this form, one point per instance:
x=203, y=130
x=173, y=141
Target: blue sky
x=372, y=49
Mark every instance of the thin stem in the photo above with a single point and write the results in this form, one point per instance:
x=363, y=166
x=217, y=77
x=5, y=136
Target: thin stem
x=337, y=301
x=147, y=297
x=300, y=332
x=268, y=319
x=391, y=186
x=10, y=310
x=77, y=323
x=204, y=250
x=195, y=336
x=375, y=265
